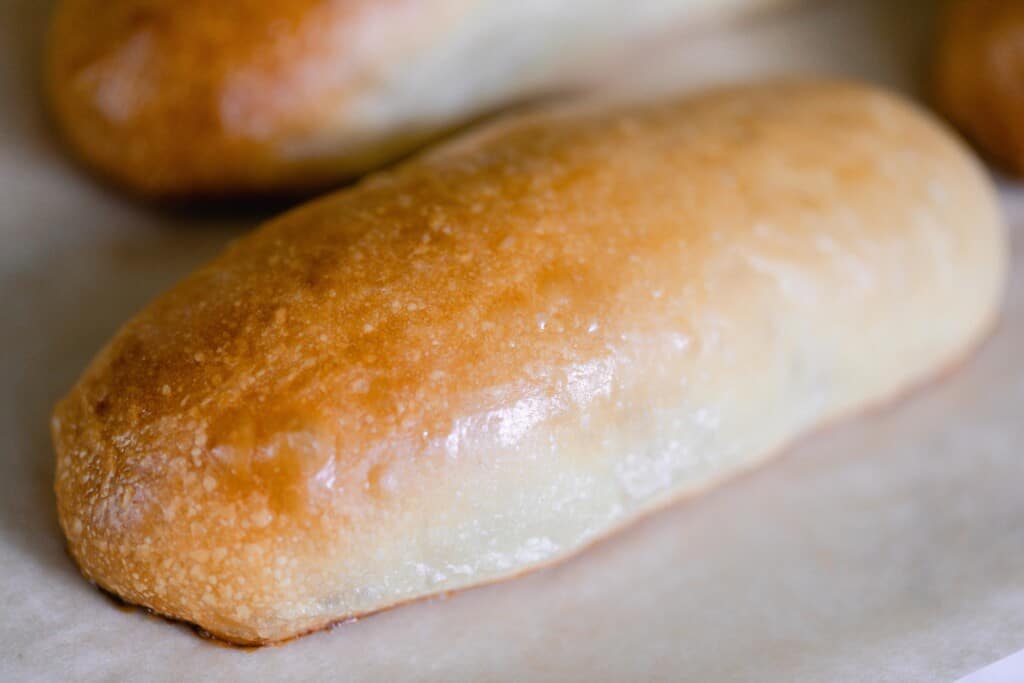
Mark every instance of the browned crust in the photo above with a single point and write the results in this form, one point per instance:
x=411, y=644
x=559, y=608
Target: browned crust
x=193, y=100
x=223, y=460
x=183, y=100
x=978, y=76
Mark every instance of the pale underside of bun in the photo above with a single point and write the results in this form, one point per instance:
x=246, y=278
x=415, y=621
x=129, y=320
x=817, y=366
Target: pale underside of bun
x=180, y=99
x=481, y=361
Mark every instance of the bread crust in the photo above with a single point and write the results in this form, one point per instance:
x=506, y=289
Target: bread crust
x=979, y=76
x=481, y=361
x=175, y=100
x=878, y=405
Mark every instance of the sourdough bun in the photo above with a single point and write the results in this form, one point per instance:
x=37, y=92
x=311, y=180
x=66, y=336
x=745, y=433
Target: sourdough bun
x=176, y=99
x=485, y=359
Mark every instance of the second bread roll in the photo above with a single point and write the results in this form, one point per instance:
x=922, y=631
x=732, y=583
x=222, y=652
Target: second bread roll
x=979, y=76
x=482, y=361
x=176, y=99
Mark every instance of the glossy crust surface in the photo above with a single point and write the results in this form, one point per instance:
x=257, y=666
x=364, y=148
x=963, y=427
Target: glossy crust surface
x=979, y=76
x=178, y=99
x=481, y=361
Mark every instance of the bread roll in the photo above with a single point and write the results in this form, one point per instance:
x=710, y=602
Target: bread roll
x=486, y=359
x=979, y=76
x=173, y=99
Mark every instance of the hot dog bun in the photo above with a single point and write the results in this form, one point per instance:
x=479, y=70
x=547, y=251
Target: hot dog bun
x=482, y=361
x=178, y=99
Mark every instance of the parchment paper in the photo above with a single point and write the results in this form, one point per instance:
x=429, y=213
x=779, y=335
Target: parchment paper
x=890, y=548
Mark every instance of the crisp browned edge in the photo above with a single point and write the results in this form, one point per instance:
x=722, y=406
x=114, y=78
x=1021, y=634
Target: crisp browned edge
x=871, y=407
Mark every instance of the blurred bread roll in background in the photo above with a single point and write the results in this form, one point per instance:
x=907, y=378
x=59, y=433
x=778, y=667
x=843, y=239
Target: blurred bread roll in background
x=177, y=99
x=979, y=76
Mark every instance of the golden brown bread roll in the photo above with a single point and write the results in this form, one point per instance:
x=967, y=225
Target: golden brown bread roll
x=174, y=99
x=482, y=361
x=979, y=76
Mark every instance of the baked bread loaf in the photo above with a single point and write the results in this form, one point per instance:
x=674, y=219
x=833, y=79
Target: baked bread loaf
x=979, y=76
x=176, y=99
x=484, y=360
